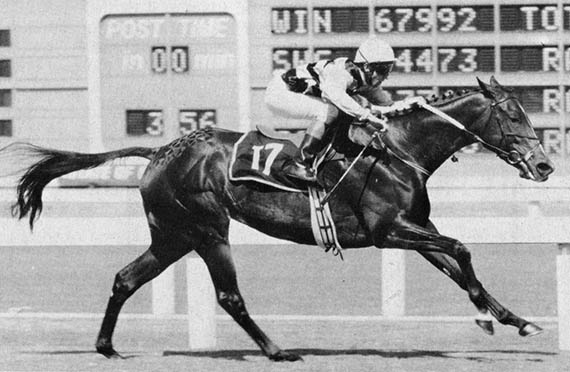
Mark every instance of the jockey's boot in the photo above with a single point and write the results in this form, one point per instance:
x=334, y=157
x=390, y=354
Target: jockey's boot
x=301, y=165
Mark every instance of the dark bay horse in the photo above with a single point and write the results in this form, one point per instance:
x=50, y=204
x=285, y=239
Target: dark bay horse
x=189, y=200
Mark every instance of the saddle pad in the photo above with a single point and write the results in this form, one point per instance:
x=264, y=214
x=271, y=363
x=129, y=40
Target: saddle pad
x=258, y=158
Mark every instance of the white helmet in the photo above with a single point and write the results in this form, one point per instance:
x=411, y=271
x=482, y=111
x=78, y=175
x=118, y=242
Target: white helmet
x=374, y=50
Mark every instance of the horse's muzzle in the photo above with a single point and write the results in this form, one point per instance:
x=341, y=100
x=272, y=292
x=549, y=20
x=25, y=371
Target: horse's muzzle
x=536, y=171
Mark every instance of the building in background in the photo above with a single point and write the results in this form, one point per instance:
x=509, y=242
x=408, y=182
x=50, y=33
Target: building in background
x=87, y=74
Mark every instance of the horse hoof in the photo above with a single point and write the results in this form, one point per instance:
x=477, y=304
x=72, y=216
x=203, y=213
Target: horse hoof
x=530, y=329
x=285, y=356
x=109, y=352
x=486, y=326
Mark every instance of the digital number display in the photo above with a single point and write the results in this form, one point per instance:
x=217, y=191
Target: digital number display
x=527, y=17
x=423, y=19
x=340, y=20
x=535, y=99
x=532, y=58
x=552, y=138
x=384, y=19
x=547, y=99
x=324, y=20
x=452, y=59
x=174, y=58
x=542, y=99
x=534, y=17
x=286, y=58
x=400, y=93
x=191, y=120
x=5, y=128
x=145, y=122
x=456, y=59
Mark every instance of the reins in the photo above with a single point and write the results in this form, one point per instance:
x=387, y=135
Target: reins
x=330, y=193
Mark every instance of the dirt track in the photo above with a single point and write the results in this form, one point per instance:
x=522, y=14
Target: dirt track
x=160, y=345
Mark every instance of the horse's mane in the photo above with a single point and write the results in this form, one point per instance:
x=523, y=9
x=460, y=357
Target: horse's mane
x=450, y=96
x=446, y=98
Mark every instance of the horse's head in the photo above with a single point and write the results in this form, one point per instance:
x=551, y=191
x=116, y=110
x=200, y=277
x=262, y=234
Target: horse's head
x=509, y=133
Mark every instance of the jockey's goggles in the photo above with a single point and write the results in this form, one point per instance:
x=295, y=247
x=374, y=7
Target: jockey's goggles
x=381, y=68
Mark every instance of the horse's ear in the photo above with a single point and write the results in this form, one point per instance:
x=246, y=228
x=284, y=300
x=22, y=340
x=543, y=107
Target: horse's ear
x=497, y=89
x=486, y=89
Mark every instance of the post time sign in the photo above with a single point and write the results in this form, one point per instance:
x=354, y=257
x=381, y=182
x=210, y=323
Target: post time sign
x=164, y=75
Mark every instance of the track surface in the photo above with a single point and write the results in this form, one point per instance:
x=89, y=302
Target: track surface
x=159, y=345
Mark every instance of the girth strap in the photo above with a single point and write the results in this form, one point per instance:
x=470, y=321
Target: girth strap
x=322, y=222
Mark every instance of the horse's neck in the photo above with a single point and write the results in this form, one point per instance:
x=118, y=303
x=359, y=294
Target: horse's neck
x=431, y=140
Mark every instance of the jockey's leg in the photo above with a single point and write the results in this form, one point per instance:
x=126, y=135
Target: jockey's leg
x=287, y=104
x=301, y=166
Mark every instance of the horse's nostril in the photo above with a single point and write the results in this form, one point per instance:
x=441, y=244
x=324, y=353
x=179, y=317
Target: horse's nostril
x=544, y=169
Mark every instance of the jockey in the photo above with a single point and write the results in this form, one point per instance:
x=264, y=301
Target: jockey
x=317, y=91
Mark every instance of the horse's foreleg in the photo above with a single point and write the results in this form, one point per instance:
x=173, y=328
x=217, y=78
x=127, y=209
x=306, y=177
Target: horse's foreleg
x=408, y=235
x=450, y=267
x=222, y=270
x=499, y=312
x=127, y=281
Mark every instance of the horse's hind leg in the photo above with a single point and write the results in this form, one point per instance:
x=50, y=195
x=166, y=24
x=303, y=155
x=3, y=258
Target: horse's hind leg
x=127, y=281
x=222, y=270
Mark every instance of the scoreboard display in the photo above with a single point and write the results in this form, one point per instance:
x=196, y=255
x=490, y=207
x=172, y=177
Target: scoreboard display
x=163, y=75
x=439, y=45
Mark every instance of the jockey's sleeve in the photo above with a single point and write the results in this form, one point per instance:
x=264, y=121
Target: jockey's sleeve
x=335, y=81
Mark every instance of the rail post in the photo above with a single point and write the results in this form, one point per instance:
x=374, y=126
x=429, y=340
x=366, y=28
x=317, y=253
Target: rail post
x=163, y=302
x=393, y=282
x=201, y=305
x=563, y=287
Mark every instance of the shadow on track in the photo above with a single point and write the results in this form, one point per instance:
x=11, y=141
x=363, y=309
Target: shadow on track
x=474, y=355
x=74, y=352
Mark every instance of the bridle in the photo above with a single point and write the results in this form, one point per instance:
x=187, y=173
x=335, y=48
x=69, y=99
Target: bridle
x=513, y=157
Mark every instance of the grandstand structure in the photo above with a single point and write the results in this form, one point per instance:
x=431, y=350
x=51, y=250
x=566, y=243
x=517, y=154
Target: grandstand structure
x=101, y=74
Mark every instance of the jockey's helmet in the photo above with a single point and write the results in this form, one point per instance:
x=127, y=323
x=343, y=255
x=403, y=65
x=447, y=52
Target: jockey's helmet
x=375, y=56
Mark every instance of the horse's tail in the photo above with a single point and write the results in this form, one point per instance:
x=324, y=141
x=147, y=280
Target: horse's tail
x=53, y=164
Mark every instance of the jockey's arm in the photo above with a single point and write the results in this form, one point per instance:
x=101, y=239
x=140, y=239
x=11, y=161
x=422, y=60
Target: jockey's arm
x=335, y=81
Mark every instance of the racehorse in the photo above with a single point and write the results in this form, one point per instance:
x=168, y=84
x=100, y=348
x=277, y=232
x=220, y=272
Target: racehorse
x=383, y=201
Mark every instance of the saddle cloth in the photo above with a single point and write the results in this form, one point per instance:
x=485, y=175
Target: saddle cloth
x=258, y=158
